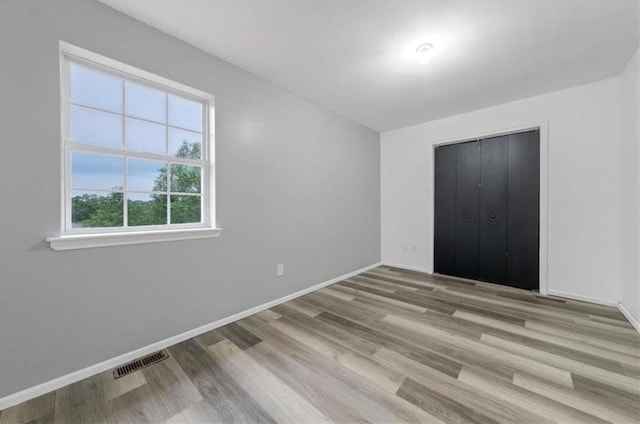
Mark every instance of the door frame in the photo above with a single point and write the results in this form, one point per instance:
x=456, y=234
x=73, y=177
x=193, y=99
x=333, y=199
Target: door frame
x=543, y=248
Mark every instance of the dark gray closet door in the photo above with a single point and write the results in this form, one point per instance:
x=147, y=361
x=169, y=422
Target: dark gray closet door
x=493, y=209
x=487, y=201
x=445, y=206
x=467, y=209
x=524, y=210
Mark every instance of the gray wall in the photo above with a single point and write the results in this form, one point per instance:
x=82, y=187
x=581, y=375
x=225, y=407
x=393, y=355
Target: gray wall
x=297, y=184
x=630, y=186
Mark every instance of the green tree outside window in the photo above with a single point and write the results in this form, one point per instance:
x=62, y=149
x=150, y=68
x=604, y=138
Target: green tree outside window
x=92, y=210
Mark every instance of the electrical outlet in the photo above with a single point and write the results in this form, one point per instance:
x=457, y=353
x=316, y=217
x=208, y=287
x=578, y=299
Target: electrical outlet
x=414, y=249
x=405, y=248
x=280, y=270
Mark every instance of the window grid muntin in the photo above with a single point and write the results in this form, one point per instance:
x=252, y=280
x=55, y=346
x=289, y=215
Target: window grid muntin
x=134, y=117
x=71, y=146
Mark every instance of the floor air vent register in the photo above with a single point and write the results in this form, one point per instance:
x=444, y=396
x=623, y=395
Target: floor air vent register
x=140, y=363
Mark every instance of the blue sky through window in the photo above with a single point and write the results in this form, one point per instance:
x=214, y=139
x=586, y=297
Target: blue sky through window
x=142, y=174
x=96, y=119
x=93, y=171
x=95, y=89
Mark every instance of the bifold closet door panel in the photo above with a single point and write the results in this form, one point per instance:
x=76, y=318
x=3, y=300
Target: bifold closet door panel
x=445, y=210
x=524, y=210
x=493, y=209
x=468, y=207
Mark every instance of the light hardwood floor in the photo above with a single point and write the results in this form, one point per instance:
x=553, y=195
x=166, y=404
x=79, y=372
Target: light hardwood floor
x=386, y=346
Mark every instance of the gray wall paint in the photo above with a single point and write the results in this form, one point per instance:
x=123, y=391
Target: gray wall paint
x=630, y=186
x=297, y=184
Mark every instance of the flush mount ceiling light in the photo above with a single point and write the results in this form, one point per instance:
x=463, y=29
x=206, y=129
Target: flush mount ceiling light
x=424, y=50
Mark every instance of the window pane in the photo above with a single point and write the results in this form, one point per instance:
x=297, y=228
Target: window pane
x=147, y=209
x=145, y=102
x=185, y=209
x=144, y=136
x=96, y=209
x=96, y=128
x=185, y=178
x=185, y=144
x=95, y=171
x=185, y=113
x=146, y=175
x=95, y=89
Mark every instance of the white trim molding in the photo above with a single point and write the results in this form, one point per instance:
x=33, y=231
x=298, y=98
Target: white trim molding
x=408, y=267
x=554, y=293
x=46, y=387
x=581, y=298
x=628, y=315
x=88, y=241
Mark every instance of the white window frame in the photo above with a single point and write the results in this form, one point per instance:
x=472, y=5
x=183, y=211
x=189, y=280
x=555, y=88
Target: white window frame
x=74, y=238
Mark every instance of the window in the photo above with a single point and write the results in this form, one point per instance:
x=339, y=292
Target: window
x=136, y=154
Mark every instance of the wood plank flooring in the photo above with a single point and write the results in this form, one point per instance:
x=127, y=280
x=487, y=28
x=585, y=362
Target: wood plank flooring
x=387, y=346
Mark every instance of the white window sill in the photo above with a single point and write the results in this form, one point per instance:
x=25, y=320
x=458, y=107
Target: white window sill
x=88, y=241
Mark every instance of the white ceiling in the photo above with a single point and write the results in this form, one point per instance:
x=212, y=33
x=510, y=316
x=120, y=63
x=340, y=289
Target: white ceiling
x=358, y=58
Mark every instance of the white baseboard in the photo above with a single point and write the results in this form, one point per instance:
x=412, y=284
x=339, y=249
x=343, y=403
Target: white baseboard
x=628, y=315
x=46, y=387
x=582, y=298
x=408, y=267
x=549, y=292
